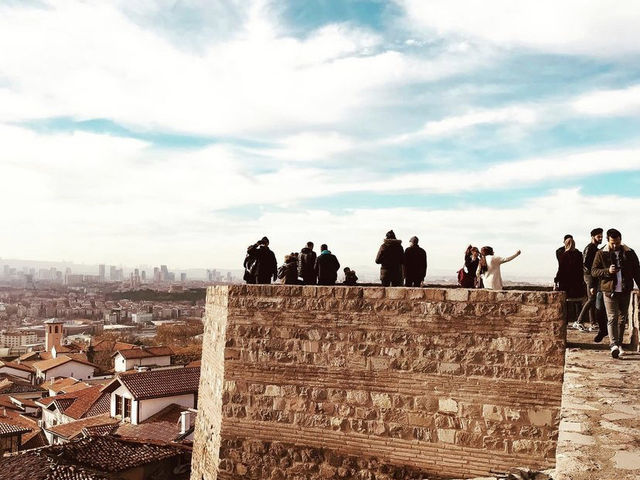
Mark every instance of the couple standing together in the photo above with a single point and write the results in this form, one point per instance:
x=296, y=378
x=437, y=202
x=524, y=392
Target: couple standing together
x=482, y=268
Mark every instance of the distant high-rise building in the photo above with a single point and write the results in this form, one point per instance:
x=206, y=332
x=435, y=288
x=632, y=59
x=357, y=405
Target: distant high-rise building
x=164, y=273
x=183, y=277
x=113, y=273
x=143, y=276
x=101, y=272
x=5, y=271
x=156, y=274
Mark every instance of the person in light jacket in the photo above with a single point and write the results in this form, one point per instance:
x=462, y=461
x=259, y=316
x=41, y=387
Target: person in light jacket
x=489, y=269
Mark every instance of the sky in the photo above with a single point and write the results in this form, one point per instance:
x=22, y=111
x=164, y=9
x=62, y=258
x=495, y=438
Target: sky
x=179, y=132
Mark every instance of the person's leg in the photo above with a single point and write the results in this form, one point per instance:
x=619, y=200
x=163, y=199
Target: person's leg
x=386, y=282
x=601, y=317
x=611, y=306
x=588, y=307
x=623, y=317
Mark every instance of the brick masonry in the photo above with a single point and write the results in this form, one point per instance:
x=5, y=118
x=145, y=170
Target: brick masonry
x=373, y=382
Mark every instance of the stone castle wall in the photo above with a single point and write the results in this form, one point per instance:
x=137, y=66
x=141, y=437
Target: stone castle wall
x=373, y=382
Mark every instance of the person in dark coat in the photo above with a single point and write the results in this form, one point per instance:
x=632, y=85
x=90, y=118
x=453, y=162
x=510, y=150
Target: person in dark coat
x=415, y=264
x=560, y=250
x=471, y=262
x=350, y=277
x=307, y=265
x=326, y=267
x=265, y=267
x=391, y=259
x=570, y=278
x=288, y=272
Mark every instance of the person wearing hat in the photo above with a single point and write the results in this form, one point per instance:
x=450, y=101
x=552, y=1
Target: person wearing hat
x=391, y=259
x=589, y=307
x=415, y=264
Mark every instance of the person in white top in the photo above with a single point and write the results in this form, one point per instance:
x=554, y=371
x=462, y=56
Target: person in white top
x=489, y=269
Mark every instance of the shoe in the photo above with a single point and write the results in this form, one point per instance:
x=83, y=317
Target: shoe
x=620, y=352
x=598, y=338
x=615, y=351
x=575, y=326
x=582, y=328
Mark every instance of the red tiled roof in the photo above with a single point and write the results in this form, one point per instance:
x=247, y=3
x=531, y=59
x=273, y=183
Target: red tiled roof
x=34, y=437
x=73, y=429
x=17, y=366
x=163, y=426
x=98, y=430
x=87, y=402
x=45, y=365
x=161, y=383
x=93, y=456
x=7, y=428
x=146, y=352
x=111, y=346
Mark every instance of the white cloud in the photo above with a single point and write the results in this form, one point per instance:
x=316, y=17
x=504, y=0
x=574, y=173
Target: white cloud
x=521, y=115
x=89, y=60
x=609, y=102
x=589, y=27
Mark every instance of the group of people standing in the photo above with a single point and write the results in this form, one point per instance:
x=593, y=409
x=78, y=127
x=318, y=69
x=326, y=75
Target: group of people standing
x=605, y=278
x=397, y=265
x=305, y=267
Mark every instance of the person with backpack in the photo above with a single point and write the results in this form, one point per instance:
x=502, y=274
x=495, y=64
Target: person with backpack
x=326, y=266
x=467, y=274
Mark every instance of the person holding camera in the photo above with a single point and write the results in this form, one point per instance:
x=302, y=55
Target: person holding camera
x=260, y=263
x=616, y=266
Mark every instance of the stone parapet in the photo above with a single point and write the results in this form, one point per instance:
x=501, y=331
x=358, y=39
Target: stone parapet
x=330, y=382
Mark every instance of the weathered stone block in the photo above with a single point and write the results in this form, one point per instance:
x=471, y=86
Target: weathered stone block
x=540, y=417
x=448, y=405
x=457, y=295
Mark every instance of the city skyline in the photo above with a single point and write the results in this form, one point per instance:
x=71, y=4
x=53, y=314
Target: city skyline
x=140, y=132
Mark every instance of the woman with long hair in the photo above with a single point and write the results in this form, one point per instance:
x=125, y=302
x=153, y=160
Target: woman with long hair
x=489, y=268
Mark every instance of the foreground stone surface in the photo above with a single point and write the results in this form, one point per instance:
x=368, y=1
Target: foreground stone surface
x=600, y=427
x=363, y=383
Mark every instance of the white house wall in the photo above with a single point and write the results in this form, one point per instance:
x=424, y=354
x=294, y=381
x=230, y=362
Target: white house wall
x=16, y=373
x=76, y=370
x=154, y=405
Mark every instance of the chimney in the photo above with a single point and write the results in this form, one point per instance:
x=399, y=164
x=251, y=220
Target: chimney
x=185, y=421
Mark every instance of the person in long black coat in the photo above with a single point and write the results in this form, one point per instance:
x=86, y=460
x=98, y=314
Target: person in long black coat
x=326, y=267
x=266, y=267
x=391, y=259
x=307, y=265
x=415, y=264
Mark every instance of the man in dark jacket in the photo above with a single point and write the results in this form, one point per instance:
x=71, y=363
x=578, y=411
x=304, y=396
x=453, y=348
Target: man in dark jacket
x=617, y=267
x=266, y=266
x=391, y=259
x=326, y=267
x=588, y=255
x=307, y=265
x=415, y=264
